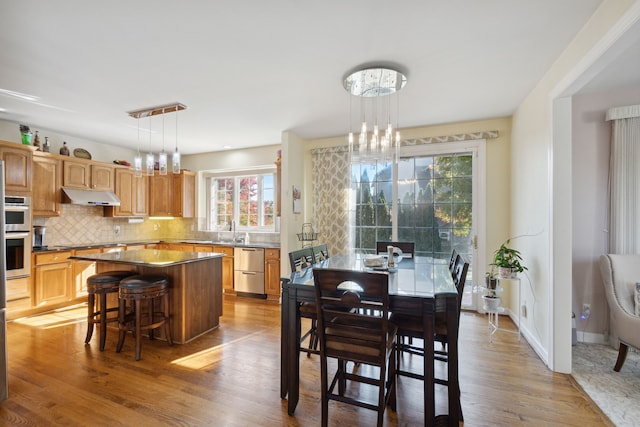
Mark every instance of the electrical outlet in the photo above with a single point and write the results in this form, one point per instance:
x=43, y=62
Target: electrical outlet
x=586, y=311
x=155, y=227
x=116, y=229
x=523, y=310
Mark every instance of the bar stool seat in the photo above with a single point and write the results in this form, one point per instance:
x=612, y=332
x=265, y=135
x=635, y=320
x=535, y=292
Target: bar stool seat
x=137, y=289
x=102, y=284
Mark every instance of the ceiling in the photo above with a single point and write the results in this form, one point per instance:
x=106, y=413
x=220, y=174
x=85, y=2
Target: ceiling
x=248, y=70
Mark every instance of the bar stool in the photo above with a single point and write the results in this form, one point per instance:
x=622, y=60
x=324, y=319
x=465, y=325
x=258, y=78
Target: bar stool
x=136, y=289
x=102, y=284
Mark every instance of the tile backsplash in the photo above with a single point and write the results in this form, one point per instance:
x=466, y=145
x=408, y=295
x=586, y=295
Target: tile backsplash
x=79, y=225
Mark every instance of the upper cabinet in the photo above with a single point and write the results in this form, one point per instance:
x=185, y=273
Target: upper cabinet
x=133, y=194
x=17, y=168
x=88, y=175
x=172, y=194
x=47, y=176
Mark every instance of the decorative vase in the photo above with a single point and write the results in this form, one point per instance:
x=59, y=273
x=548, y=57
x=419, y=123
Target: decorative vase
x=26, y=138
x=505, y=273
x=491, y=303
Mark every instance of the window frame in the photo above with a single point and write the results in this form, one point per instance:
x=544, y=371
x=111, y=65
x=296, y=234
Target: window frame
x=236, y=175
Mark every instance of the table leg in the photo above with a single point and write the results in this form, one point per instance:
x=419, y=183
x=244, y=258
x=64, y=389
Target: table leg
x=293, y=351
x=284, y=336
x=452, y=361
x=429, y=384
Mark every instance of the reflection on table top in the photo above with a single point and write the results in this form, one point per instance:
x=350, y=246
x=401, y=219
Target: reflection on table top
x=149, y=257
x=420, y=276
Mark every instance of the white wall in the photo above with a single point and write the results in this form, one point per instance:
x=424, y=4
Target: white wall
x=590, y=165
x=541, y=192
x=9, y=131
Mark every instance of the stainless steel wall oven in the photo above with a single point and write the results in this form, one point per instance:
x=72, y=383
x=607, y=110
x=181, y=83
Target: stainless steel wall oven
x=17, y=235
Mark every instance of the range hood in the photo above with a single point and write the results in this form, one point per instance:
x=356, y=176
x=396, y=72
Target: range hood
x=77, y=196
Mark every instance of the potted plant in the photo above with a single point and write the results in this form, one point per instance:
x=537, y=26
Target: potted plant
x=490, y=298
x=508, y=260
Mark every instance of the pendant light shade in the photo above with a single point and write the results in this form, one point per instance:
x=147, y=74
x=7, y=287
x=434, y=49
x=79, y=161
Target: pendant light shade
x=149, y=164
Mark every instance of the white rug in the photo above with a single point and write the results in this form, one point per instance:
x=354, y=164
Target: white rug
x=616, y=393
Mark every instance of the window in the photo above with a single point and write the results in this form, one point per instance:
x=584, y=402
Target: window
x=248, y=198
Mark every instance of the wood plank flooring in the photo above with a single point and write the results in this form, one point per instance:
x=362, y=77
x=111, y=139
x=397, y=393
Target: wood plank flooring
x=230, y=377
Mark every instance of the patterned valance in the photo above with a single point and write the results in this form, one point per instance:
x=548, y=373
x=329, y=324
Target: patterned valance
x=489, y=134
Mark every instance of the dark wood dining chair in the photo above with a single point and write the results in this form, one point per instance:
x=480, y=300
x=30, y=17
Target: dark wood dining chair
x=452, y=261
x=299, y=260
x=320, y=253
x=408, y=248
x=353, y=325
x=411, y=327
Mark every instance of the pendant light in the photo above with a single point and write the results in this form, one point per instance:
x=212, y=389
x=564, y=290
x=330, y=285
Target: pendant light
x=175, y=159
x=162, y=158
x=150, y=162
x=137, y=160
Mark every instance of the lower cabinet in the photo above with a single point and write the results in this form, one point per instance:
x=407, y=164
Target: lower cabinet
x=272, y=273
x=227, y=267
x=82, y=270
x=52, y=278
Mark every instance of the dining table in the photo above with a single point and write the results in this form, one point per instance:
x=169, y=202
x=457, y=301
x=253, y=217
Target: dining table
x=418, y=286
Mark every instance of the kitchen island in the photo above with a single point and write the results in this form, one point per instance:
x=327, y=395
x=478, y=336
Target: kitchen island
x=196, y=284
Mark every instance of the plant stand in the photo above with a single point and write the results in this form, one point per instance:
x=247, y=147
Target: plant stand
x=493, y=314
x=308, y=236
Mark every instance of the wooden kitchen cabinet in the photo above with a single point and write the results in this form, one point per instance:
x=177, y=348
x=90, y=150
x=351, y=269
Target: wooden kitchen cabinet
x=227, y=267
x=47, y=177
x=185, y=247
x=52, y=278
x=161, y=195
x=88, y=175
x=272, y=273
x=82, y=270
x=184, y=194
x=173, y=195
x=133, y=194
x=17, y=168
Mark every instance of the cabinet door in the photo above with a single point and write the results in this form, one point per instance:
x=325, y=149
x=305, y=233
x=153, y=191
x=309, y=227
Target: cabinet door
x=82, y=270
x=102, y=177
x=52, y=283
x=181, y=247
x=161, y=195
x=124, y=186
x=227, y=267
x=17, y=172
x=272, y=272
x=141, y=196
x=47, y=174
x=76, y=174
x=184, y=193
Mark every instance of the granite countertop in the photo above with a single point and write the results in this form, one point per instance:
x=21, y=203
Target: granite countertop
x=150, y=242
x=149, y=257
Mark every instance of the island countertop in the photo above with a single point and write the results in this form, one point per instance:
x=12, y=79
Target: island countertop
x=149, y=257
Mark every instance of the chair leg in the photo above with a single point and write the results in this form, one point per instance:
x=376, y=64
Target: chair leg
x=138, y=328
x=122, y=312
x=622, y=356
x=151, y=308
x=324, y=387
x=103, y=320
x=167, y=316
x=90, y=307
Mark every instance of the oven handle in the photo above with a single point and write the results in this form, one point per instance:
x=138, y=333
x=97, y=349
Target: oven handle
x=16, y=208
x=11, y=235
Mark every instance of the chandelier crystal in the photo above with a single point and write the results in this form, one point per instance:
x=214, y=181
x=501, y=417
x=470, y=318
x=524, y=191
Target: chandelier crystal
x=375, y=87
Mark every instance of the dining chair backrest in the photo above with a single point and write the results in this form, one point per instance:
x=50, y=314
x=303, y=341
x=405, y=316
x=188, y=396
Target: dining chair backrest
x=320, y=253
x=353, y=313
x=459, y=279
x=408, y=248
x=457, y=263
x=452, y=260
x=301, y=259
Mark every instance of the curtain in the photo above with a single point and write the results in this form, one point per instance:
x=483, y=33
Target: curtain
x=331, y=182
x=624, y=171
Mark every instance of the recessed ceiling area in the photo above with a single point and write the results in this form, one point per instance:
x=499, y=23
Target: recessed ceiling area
x=249, y=70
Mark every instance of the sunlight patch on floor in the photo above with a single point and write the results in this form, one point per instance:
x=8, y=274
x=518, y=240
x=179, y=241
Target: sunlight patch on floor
x=205, y=358
x=56, y=318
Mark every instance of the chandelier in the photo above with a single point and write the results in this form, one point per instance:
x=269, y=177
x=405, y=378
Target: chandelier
x=162, y=157
x=375, y=87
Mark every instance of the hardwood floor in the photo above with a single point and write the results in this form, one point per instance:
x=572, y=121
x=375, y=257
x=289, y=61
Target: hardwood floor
x=230, y=377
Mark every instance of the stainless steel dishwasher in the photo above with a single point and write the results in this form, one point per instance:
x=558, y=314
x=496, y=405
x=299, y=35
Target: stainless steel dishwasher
x=248, y=264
